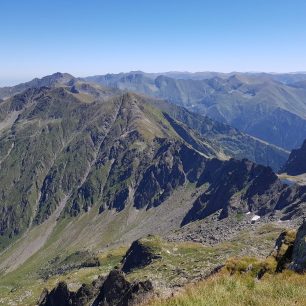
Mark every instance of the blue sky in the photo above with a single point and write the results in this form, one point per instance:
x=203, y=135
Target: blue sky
x=39, y=37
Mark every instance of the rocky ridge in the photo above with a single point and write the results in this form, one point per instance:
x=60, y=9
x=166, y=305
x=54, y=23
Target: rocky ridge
x=75, y=146
x=299, y=250
x=113, y=290
x=296, y=163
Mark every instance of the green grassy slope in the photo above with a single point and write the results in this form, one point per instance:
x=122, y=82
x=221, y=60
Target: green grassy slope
x=180, y=263
x=285, y=289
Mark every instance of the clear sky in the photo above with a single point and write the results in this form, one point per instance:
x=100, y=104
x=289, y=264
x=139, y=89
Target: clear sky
x=39, y=37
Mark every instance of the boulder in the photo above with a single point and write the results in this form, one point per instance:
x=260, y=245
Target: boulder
x=141, y=253
x=117, y=291
x=114, y=290
x=281, y=257
x=299, y=250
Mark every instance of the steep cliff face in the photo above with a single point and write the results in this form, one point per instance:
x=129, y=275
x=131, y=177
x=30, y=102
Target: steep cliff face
x=174, y=164
x=296, y=163
x=48, y=144
x=241, y=187
x=116, y=290
x=299, y=250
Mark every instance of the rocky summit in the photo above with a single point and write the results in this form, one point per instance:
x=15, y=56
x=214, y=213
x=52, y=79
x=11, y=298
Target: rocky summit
x=299, y=250
x=114, y=290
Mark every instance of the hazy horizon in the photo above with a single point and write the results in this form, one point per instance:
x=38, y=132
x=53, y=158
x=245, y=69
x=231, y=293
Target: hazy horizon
x=8, y=83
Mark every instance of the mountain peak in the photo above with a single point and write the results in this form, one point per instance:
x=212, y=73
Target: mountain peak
x=57, y=77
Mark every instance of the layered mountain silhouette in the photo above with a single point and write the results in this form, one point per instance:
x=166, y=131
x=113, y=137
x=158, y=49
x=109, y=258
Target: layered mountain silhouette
x=92, y=166
x=267, y=106
x=233, y=142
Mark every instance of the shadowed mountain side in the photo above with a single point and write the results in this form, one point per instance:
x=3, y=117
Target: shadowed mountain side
x=296, y=163
x=231, y=141
x=61, y=151
x=242, y=187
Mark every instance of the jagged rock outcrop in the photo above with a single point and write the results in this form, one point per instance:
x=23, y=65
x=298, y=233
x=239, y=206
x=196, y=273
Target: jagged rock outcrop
x=141, y=253
x=289, y=252
x=277, y=261
x=117, y=291
x=62, y=296
x=74, y=146
x=114, y=290
x=59, y=296
x=299, y=250
x=296, y=163
x=235, y=186
x=283, y=250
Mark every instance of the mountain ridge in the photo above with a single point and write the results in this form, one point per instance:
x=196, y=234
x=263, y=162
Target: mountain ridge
x=249, y=102
x=241, y=146
x=134, y=158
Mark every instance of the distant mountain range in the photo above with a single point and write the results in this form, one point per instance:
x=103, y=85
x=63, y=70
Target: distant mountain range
x=86, y=166
x=286, y=78
x=271, y=107
x=227, y=141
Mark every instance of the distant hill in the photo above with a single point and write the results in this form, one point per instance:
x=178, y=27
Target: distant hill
x=270, y=107
x=56, y=79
